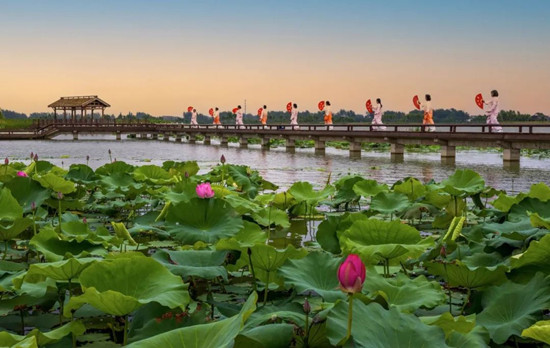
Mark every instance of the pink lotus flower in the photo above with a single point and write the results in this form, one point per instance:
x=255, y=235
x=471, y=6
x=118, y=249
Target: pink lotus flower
x=351, y=274
x=204, y=190
x=22, y=174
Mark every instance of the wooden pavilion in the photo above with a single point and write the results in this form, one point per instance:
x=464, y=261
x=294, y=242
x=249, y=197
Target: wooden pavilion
x=82, y=103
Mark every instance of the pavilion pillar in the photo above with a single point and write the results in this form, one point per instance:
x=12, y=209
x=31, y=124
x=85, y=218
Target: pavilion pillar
x=319, y=147
x=243, y=142
x=354, y=149
x=65, y=114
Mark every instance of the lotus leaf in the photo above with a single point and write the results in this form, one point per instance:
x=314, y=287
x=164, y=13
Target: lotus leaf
x=463, y=182
x=81, y=173
x=153, y=174
x=411, y=187
x=389, y=202
x=373, y=326
x=59, y=271
x=55, y=183
x=376, y=240
x=539, y=331
x=206, y=220
x=267, y=336
x=219, y=334
x=450, y=324
x=189, y=167
x=267, y=260
x=458, y=274
x=194, y=263
x=535, y=259
x=302, y=191
x=509, y=308
x=270, y=215
x=306, y=276
x=369, y=188
x=26, y=191
x=242, y=205
x=10, y=230
x=54, y=249
x=122, y=285
x=11, y=210
x=403, y=293
x=122, y=233
x=42, y=338
x=114, y=168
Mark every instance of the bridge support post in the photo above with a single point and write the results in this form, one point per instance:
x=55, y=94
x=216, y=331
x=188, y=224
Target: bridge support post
x=243, y=142
x=265, y=143
x=223, y=141
x=447, y=151
x=319, y=147
x=178, y=138
x=154, y=136
x=166, y=137
x=290, y=145
x=354, y=149
x=397, y=149
x=207, y=140
x=192, y=139
x=118, y=136
x=75, y=135
x=510, y=155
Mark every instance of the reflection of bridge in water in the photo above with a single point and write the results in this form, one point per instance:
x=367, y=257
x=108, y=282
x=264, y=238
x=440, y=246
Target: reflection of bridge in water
x=448, y=136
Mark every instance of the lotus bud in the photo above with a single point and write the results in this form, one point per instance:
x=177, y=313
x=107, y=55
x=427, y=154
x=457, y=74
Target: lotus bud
x=222, y=159
x=22, y=174
x=87, y=158
x=33, y=206
x=443, y=251
x=351, y=274
x=60, y=195
x=84, y=220
x=35, y=157
x=186, y=174
x=307, y=307
x=32, y=155
x=204, y=190
x=109, y=151
x=6, y=161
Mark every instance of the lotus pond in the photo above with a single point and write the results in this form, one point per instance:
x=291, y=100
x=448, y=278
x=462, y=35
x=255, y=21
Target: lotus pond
x=149, y=256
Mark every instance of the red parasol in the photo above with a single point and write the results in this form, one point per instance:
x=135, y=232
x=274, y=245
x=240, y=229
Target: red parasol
x=189, y=108
x=321, y=105
x=289, y=107
x=416, y=102
x=211, y=112
x=479, y=101
x=260, y=111
x=369, y=106
x=235, y=110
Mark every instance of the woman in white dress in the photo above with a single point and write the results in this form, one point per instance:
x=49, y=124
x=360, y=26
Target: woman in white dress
x=239, y=118
x=492, y=112
x=428, y=113
x=294, y=116
x=194, y=118
x=378, y=116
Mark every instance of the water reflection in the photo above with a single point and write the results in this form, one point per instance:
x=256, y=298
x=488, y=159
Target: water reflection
x=285, y=168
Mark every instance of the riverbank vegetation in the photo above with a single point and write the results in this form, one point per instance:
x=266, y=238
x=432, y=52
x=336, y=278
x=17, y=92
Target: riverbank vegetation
x=150, y=255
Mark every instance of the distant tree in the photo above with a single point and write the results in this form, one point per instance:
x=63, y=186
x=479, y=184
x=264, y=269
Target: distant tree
x=1, y=115
x=9, y=114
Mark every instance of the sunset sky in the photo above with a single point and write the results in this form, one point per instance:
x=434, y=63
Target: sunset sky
x=161, y=56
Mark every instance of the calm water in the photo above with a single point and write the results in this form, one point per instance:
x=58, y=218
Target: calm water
x=282, y=168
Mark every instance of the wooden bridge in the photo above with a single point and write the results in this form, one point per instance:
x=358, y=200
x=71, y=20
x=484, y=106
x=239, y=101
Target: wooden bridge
x=448, y=136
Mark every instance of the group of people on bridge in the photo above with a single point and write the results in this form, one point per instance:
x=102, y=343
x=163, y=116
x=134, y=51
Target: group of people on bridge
x=491, y=109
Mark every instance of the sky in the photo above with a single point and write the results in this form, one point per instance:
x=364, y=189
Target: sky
x=162, y=56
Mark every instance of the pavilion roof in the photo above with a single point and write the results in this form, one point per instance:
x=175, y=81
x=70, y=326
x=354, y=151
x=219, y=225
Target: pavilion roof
x=78, y=102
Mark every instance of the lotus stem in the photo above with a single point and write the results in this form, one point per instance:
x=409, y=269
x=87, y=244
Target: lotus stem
x=249, y=251
x=5, y=250
x=125, y=339
x=22, y=320
x=466, y=301
x=350, y=316
x=266, y=288
x=306, y=334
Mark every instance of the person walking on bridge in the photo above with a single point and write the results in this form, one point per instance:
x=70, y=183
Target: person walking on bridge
x=239, y=118
x=377, y=119
x=492, y=112
x=328, y=114
x=263, y=117
x=428, y=113
x=294, y=116
x=194, y=118
x=217, y=116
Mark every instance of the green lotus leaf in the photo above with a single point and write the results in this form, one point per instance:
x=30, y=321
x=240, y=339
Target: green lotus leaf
x=153, y=174
x=330, y=229
x=206, y=220
x=189, y=167
x=539, y=331
x=80, y=231
x=478, y=337
x=304, y=274
x=267, y=260
x=10, y=230
x=54, y=249
x=529, y=206
x=55, y=183
x=267, y=336
x=122, y=285
x=450, y=324
x=220, y=334
x=458, y=274
x=463, y=182
x=369, y=188
x=242, y=205
x=204, y=264
x=248, y=180
x=250, y=235
x=538, y=221
x=281, y=200
x=302, y=191
x=36, y=338
x=374, y=327
x=404, y=293
x=437, y=199
x=376, y=240
x=81, y=173
x=26, y=191
x=518, y=229
x=114, y=168
x=535, y=259
x=121, y=181
x=509, y=308
x=345, y=192
x=287, y=313
x=411, y=187
x=540, y=191
x=270, y=215
x=11, y=210
x=122, y=233
x=504, y=202
x=59, y=271
x=389, y=202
